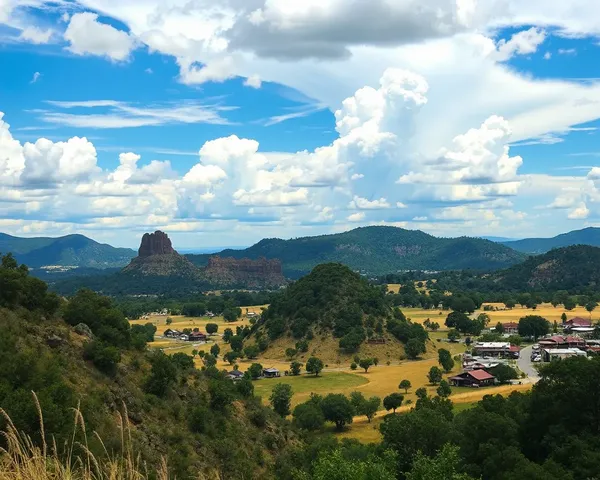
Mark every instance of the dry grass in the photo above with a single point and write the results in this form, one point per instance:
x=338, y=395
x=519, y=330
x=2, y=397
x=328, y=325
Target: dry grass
x=545, y=310
x=24, y=460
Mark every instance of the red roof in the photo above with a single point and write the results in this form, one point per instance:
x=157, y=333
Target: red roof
x=514, y=348
x=480, y=375
x=579, y=322
x=511, y=325
x=573, y=340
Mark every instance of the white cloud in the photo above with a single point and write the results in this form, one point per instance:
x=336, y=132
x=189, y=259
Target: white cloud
x=253, y=81
x=87, y=36
x=567, y=51
x=521, y=43
x=356, y=176
x=36, y=77
x=547, y=56
x=356, y=217
x=401, y=205
x=35, y=35
x=364, y=204
x=581, y=212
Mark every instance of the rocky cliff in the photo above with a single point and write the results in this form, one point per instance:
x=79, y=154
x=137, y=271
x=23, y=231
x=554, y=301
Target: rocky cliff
x=157, y=243
x=244, y=271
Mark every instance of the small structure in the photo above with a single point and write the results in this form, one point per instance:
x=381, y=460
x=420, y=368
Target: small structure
x=235, y=375
x=473, y=378
x=171, y=333
x=376, y=341
x=577, y=322
x=511, y=328
x=496, y=349
x=562, y=341
x=184, y=337
x=271, y=373
x=562, y=353
x=197, y=337
x=251, y=314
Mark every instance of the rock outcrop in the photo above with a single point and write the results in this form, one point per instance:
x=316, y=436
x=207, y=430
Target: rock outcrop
x=157, y=243
x=244, y=272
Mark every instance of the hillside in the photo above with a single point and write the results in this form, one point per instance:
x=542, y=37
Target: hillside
x=335, y=306
x=573, y=268
x=70, y=250
x=587, y=236
x=377, y=251
x=85, y=353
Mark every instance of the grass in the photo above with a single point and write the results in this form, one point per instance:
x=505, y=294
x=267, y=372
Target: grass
x=24, y=460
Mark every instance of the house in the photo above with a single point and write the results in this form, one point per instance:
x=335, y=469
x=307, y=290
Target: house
x=251, y=314
x=578, y=322
x=271, y=373
x=473, y=378
x=170, y=333
x=561, y=353
x=511, y=328
x=496, y=349
x=562, y=341
x=184, y=337
x=235, y=375
x=210, y=314
x=197, y=337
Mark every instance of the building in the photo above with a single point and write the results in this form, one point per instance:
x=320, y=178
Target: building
x=235, y=375
x=578, y=322
x=511, y=328
x=561, y=353
x=197, y=337
x=271, y=373
x=473, y=378
x=562, y=341
x=170, y=333
x=496, y=349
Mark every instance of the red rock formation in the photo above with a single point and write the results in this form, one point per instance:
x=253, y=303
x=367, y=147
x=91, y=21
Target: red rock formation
x=244, y=271
x=157, y=243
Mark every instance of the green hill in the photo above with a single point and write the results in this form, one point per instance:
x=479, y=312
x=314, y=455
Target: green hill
x=587, y=236
x=574, y=268
x=70, y=250
x=377, y=251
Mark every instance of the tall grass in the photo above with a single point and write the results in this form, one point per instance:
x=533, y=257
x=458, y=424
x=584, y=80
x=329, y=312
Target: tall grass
x=22, y=459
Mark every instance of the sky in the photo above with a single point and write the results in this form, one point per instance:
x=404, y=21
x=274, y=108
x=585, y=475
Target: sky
x=225, y=122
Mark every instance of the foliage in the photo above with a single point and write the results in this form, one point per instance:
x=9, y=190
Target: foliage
x=227, y=334
x=215, y=350
x=393, y=401
x=405, y=385
x=337, y=408
x=366, y=363
x=443, y=466
x=281, y=398
x=295, y=368
x=236, y=343
x=255, y=370
x=212, y=328
x=290, y=353
x=413, y=348
x=350, y=343
x=533, y=326
x=231, y=357
x=444, y=389
x=163, y=374
x=104, y=357
x=504, y=373
x=314, y=365
x=251, y=351
x=336, y=466
x=308, y=416
x=445, y=360
x=434, y=376
x=463, y=324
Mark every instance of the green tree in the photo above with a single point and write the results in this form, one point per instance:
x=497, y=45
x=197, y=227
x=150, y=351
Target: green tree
x=393, y=401
x=563, y=317
x=435, y=375
x=251, y=351
x=453, y=335
x=414, y=347
x=369, y=407
x=314, y=365
x=590, y=307
x=445, y=360
x=533, y=326
x=163, y=374
x=231, y=314
x=366, y=363
x=499, y=328
x=569, y=303
x=281, y=399
x=302, y=346
x=255, y=370
x=405, y=385
x=237, y=343
x=227, y=334
x=444, y=466
x=168, y=321
x=308, y=416
x=515, y=340
x=353, y=366
x=504, y=373
x=212, y=328
x=290, y=353
x=336, y=466
x=231, y=357
x=209, y=360
x=337, y=408
x=104, y=357
x=295, y=368
x=215, y=350
x=444, y=389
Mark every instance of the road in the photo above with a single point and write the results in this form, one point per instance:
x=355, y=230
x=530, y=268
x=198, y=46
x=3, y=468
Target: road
x=526, y=365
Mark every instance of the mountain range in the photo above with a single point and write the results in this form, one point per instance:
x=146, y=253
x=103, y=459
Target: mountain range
x=370, y=250
x=68, y=251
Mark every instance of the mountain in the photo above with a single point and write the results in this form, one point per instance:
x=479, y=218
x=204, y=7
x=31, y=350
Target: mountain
x=587, y=236
x=574, y=268
x=377, y=251
x=67, y=251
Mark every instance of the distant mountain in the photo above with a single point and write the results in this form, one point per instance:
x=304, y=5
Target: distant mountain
x=499, y=239
x=378, y=250
x=574, y=268
x=70, y=250
x=587, y=236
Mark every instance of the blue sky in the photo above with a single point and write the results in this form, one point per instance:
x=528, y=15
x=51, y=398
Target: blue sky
x=226, y=122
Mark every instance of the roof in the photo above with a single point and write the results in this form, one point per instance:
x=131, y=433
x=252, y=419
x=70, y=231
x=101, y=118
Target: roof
x=510, y=325
x=582, y=322
x=236, y=373
x=481, y=375
x=492, y=345
x=514, y=348
x=559, y=351
x=272, y=370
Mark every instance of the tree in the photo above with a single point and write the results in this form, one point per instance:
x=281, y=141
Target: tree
x=290, y=353
x=444, y=466
x=366, y=363
x=302, y=346
x=444, y=389
x=590, y=306
x=227, y=334
x=405, y=385
x=369, y=407
x=453, y=335
x=237, y=343
x=255, y=370
x=421, y=392
x=251, y=351
x=314, y=365
x=515, y=340
x=209, y=360
x=510, y=303
x=194, y=353
x=533, y=326
x=336, y=465
x=563, y=318
x=569, y=303
x=462, y=304
x=163, y=374
x=353, y=366
x=308, y=416
x=169, y=321
x=499, y=328
x=295, y=368
x=351, y=342
x=337, y=408
x=231, y=314
x=434, y=376
x=281, y=399
x=393, y=401
x=215, y=350
x=445, y=360
x=504, y=373
x=357, y=399
x=231, y=357
x=414, y=347
x=212, y=328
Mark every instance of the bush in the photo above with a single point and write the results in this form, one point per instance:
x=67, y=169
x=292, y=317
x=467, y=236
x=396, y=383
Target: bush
x=212, y=328
x=104, y=357
x=353, y=366
x=255, y=370
x=308, y=416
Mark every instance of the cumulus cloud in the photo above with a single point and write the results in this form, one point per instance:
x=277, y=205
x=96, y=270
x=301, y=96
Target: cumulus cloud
x=35, y=35
x=87, y=36
x=356, y=217
x=521, y=43
x=359, y=203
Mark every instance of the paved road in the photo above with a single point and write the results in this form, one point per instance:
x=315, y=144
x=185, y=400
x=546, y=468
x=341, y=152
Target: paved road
x=526, y=365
